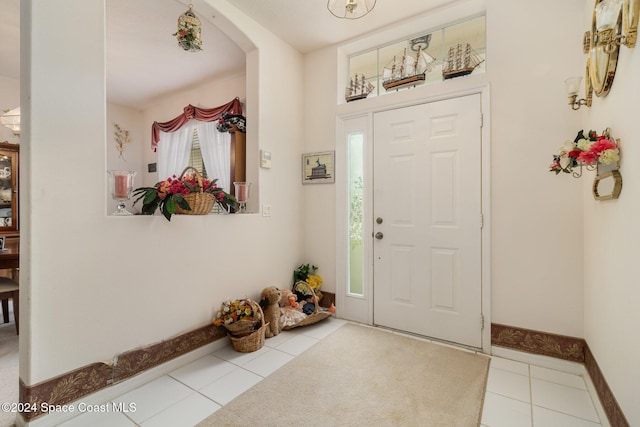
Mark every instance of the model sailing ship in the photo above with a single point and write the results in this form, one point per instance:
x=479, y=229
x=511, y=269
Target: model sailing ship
x=408, y=71
x=461, y=61
x=358, y=89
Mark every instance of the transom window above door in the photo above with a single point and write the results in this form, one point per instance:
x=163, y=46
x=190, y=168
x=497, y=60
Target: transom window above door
x=444, y=52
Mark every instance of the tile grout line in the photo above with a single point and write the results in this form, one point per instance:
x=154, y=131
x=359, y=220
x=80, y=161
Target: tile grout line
x=317, y=340
x=530, y=393
x=262, y=377
x=598, y=423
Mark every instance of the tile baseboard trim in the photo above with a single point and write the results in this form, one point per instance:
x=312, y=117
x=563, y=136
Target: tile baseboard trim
x=566, y=348
x=610, y=404
x=530, y=341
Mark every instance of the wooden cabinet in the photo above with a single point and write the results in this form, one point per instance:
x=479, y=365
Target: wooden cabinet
x=9, y=167
x=238, y=158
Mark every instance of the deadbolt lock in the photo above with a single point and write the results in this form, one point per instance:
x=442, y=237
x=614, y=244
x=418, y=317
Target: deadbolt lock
x=379, y=220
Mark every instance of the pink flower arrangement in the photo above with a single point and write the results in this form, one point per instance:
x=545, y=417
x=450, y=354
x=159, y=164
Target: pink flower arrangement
x=187, y=185
x=167, y=195
x=585, y=150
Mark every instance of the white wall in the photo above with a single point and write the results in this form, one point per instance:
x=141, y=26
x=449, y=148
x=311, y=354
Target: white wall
x=536, y=239
x=101, y=285
x=319, y=238
x=9, y=99
x=612, y=241
x=537, y=270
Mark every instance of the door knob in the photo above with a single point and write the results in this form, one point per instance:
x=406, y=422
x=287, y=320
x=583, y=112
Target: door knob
x=379, y=235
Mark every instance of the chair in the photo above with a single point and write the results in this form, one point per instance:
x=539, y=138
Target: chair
x=9, y=289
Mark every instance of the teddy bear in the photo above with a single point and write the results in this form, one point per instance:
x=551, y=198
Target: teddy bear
x=269, y=301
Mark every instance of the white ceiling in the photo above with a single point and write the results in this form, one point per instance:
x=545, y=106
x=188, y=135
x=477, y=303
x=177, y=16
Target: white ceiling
x=144, y=60
x=307, y=25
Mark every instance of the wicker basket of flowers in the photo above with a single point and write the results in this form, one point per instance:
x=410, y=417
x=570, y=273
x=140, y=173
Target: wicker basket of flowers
x=252, y=341
x=244, y=321
x=200, y=201
x=239, y=317
x=189, y=194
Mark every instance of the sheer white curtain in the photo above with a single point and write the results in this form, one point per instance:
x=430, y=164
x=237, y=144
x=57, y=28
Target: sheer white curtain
x=174, y=149
x=216, y=153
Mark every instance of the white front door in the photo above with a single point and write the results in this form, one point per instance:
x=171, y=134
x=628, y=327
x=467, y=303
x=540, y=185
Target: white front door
x=428, y=219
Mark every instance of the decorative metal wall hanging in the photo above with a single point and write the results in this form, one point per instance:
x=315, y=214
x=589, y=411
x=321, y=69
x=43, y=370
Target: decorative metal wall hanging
x=189, y=31
x=592, y=152
x=614, y=23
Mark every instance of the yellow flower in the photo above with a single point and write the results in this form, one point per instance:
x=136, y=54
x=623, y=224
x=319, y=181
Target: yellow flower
x=314, y=281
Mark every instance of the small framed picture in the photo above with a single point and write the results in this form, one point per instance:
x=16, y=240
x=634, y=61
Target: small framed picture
x=318, y=168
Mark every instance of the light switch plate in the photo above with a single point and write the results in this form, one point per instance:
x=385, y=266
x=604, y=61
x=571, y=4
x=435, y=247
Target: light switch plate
x=265, y=159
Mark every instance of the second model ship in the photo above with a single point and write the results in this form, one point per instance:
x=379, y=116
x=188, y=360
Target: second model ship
x=407, y=71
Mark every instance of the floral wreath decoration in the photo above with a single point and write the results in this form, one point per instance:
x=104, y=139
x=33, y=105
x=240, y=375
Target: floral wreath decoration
x=587, y=151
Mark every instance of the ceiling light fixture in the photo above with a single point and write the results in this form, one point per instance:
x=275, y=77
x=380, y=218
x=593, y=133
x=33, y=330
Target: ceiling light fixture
x=11, y=119
x=350, y=9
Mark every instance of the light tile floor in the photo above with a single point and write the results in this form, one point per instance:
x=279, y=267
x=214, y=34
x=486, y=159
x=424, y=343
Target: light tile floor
x=523, y=395
x=518, y=394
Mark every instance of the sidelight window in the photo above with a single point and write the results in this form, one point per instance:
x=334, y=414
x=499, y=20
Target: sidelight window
x=355, y=142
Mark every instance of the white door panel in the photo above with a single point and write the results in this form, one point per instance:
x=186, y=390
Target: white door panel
x=427, y=190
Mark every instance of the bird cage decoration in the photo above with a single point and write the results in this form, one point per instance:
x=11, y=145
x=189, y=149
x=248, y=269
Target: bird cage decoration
x=189, y=31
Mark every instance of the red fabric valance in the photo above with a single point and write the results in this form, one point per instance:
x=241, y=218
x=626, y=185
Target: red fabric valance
x=191, y=112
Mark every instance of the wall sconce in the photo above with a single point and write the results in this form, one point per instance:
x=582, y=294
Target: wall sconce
x=11, y=119
x=608, y=14
x=573, y=87
x=350, y=9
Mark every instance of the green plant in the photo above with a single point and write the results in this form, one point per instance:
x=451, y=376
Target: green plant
x=188, y=36
x=303, y=271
